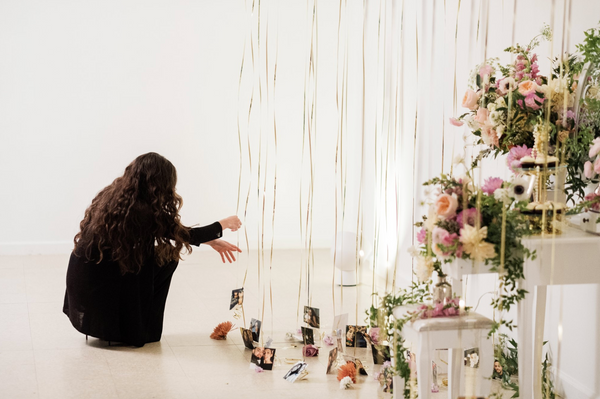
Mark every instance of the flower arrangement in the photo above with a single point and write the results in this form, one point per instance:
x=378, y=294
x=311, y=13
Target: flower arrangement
x=385, y=376
x=507, y=103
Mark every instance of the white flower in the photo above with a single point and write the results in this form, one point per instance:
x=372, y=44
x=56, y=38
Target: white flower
x=593, y=92
x=424, y=268
x=474, y=245
x=413, y=251
x=501, y=194
x=500, y=103
x=500, y=130
x=432, y=219
x=346, y=383
x=458, y=160
x=519, y=189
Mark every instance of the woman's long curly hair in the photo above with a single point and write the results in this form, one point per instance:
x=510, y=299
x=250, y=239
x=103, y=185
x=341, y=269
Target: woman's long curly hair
x=134, y=217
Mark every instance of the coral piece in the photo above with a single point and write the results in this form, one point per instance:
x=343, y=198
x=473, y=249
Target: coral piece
x=221, y=330
x=347, y=370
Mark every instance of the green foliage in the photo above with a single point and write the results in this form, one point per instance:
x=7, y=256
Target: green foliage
x=590, y=48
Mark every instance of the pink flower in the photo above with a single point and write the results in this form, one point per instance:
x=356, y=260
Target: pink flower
x=595, y=147
x=527, y=87
x=514, y=156
x=533, y=58
x=456, y=122
x=438, y=310
x=482, y=115
x=468, y=216
x=328, y=340
x=485, y=70
x=588, y=170
x=532, y=101
x=446, y=205
x=492, y=184
x=470, y=100
x=451, y=311
x=310, y=351
x=459, y=251
x=422, y=236
x=597, y=165
x=374, y=333
x=489, y=136
x=258, y=369
x=443, y=237
x=520, y=65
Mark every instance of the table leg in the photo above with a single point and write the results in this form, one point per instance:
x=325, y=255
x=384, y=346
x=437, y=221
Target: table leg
x=538, y=339
x=454, y=368
x=424, y=367
x=525, y=342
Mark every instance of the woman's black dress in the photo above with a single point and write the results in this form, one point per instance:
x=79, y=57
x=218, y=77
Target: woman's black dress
x=129, y=308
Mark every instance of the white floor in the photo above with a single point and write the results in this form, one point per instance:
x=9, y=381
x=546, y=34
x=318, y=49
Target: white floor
x=42, y=356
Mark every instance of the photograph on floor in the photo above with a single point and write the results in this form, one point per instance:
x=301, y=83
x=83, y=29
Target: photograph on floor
x=308, y=336
x=296, y=372
x=355, y=336
x=332, y=360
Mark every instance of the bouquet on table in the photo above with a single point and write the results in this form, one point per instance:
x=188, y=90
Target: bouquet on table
x=467, y=222
x=515, y=107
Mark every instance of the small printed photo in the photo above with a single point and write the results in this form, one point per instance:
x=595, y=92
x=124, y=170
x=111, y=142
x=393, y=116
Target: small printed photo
x=237, y=298
x=311, y=317
x=255, y=328
x=263, y=357
x=340, y=321
x=472, y=358
x=357, y=363
x=247, y=337
x=333, y=354
x=297, y=370
x=308, y=336
x=381, y=353
x=340, y=345
x=355, y=336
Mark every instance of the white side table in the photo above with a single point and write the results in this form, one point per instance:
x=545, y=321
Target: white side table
x=576, y=257
x=455, y=334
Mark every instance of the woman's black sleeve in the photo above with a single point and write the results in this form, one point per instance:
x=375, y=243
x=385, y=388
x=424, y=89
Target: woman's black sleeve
x=199, y=235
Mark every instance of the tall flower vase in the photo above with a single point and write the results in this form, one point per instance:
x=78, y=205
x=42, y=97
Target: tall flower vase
x=442, y=291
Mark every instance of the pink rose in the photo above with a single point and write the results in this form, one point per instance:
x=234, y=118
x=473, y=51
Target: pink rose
x=470, y=100
x=489, y=136
x=456, y=122
x=595, y=147
x=446, y=205
x=597, y=165
x=527, y=87
x=310, y=351
x=482, y=115
x=588, y=170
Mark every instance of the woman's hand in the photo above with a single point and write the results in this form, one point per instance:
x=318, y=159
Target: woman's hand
x=232, y=222
x=225, y=249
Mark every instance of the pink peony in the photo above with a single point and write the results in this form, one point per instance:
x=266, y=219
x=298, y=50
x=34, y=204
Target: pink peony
x=588, y=170
x=468, y=216
x=514, y=156
x=456, y=122
x=470, y=100
x=491, y=185
x=422, y=236
x=446, y=205
x=595, y=147
x=597, y=165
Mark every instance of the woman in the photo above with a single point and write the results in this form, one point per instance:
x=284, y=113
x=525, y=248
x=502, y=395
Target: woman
x=126, y=252
x=310, y=318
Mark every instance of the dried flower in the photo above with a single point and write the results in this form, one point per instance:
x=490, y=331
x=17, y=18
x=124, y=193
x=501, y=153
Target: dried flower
x=258, y=369
x=310, y=351
x=328, y=339
x=348, y=370
x=221, y=331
